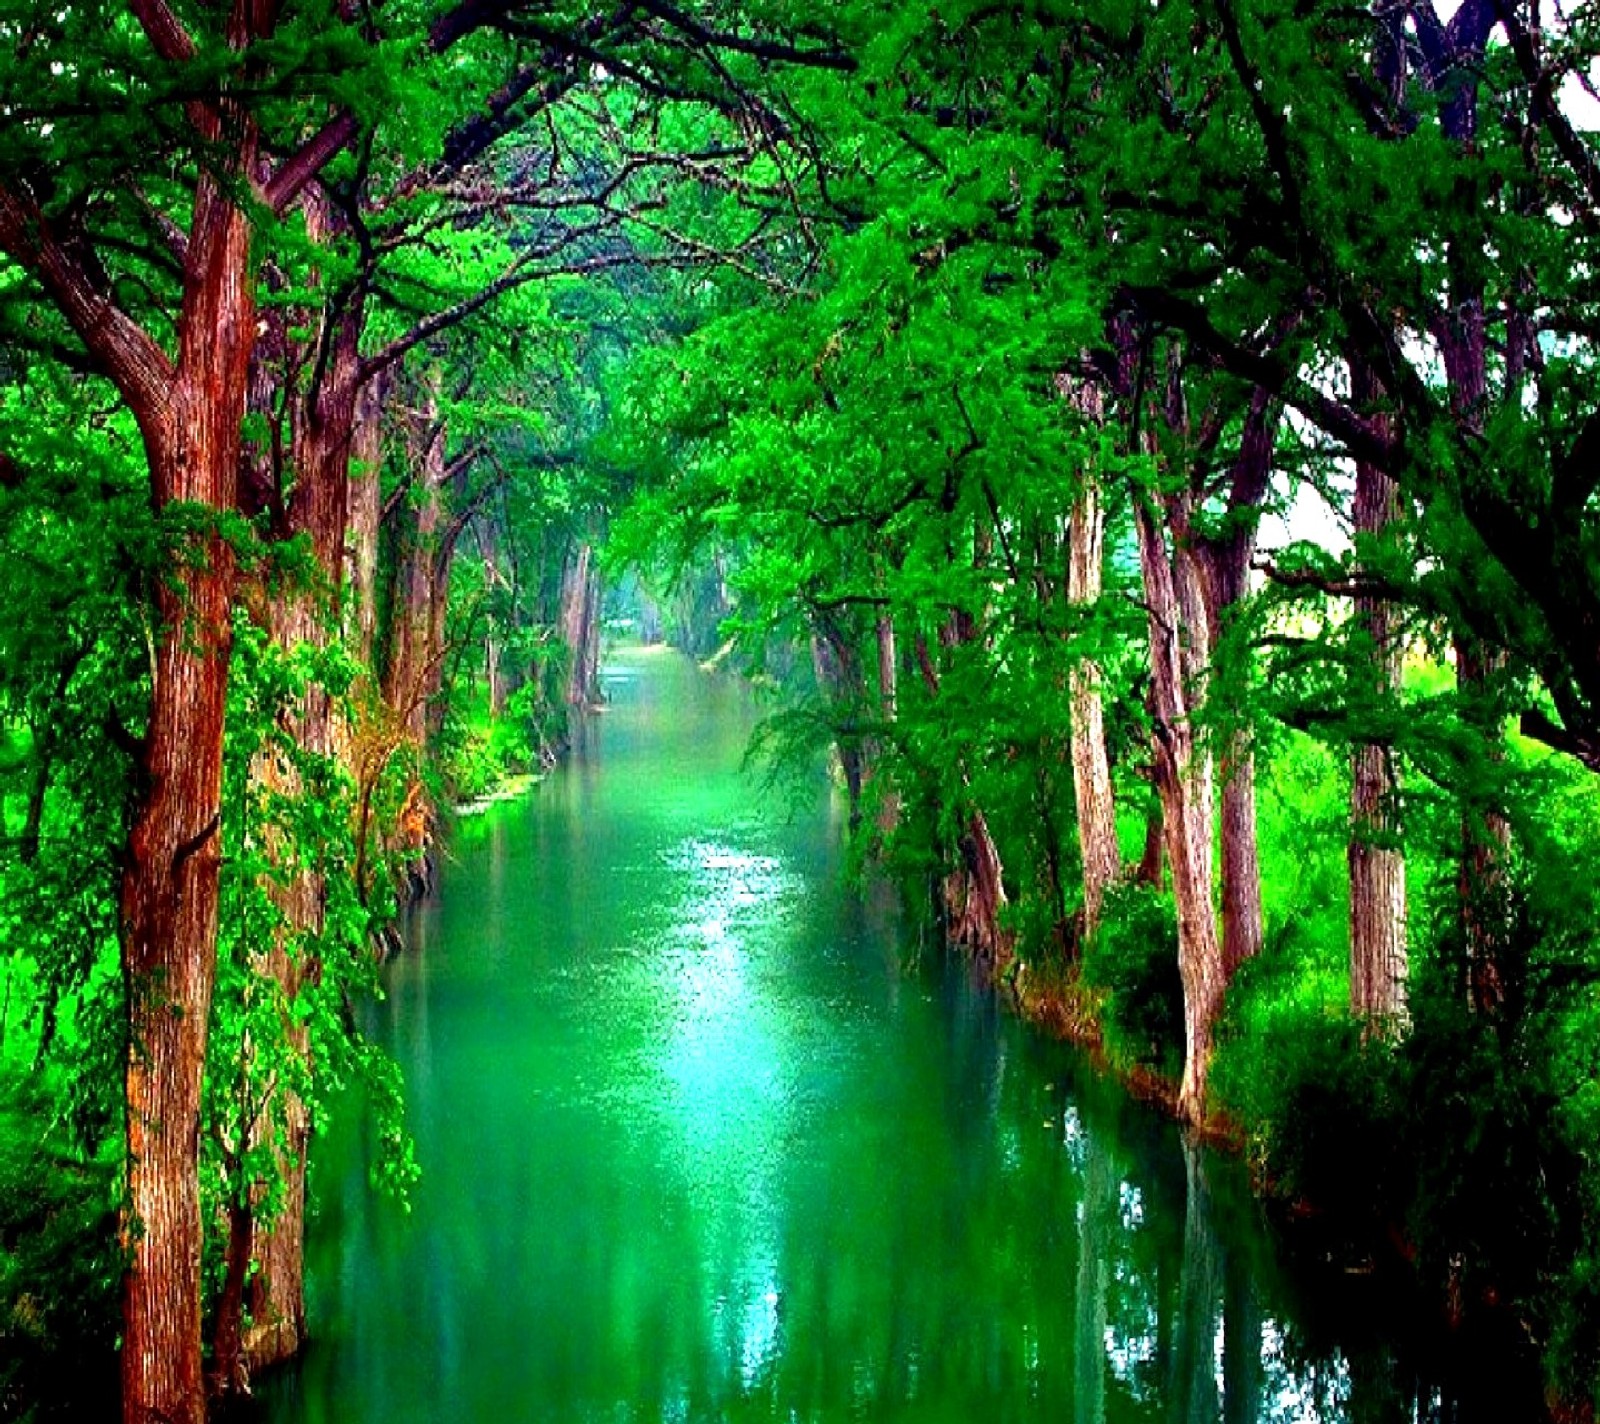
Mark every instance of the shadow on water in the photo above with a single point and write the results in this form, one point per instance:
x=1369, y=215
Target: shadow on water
x=696, y=1147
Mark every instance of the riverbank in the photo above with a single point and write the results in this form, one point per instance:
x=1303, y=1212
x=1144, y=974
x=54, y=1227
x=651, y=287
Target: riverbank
x=1331, y=1240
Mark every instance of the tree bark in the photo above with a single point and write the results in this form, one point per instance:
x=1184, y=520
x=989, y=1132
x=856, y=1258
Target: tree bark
x=837, y=668
x=1378, y=967
x=1152, y=859
x=888, y=709
x=1461, y=330
x=1091, y=768
x=580, y=626
x=973, y=895
x=1183, y=785
x=365, y=512
x=1485, y=846
x=170, y=885
x=1224, y=560
x=411, y=674
x=304, y=613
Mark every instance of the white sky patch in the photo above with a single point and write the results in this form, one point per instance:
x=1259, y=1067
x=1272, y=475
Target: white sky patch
x=1307, y=519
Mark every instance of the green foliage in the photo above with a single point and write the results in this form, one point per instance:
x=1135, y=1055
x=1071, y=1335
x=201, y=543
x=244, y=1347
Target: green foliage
x=1316, y=1100
x=1467, y=1139
x=60, y=1265
x=285, y=983
x=1133, y=960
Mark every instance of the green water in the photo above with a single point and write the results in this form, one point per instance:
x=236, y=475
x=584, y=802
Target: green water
x=702, y=1140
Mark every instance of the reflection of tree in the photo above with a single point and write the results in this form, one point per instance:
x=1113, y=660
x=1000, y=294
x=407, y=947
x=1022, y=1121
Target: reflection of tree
x=1241, y=1338
x=1380, y=1392
x=1193, y=1389
x=1099, y=1221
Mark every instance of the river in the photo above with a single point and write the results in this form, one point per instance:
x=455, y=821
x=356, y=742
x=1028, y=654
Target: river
x=705, y=1135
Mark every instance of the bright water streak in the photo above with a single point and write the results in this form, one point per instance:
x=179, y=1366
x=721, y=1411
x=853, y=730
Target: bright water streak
x=697, y=1146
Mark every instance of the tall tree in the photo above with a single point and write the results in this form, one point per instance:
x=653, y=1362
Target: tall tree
x=1378, y=964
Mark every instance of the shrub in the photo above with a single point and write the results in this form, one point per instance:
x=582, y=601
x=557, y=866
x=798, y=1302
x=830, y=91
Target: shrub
x=60, y=1267
x=1133, y=961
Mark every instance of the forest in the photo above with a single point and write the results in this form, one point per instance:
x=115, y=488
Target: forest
x=1148, y=452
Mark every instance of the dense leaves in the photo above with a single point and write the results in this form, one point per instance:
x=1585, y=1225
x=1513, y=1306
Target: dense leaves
x=967, y=370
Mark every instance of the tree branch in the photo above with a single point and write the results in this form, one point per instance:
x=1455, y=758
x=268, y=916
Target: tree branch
x=164, y=30
x=122, y=349
x=303, y=166
x=1546, y=107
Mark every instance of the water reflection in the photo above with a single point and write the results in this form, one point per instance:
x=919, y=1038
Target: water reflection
x=697, y=1148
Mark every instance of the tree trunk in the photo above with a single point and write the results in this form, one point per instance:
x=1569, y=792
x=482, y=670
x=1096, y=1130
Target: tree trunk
x=414, y=669
x=412, y=674
x=975, y=896
x=1378, y=968
x=228, y=1372
x=580, y=626
x=318, y=506
x=170, y=884
x=365, y=509
x=1241, y=856
x=1152, y=859
x=888, y=710
x=1182, y=783
x=972, y=896
x=494, y=668
x=1462, y=333
x=837, y=668
x=1485, y=846
x=1091, y=768
x=1224, y=561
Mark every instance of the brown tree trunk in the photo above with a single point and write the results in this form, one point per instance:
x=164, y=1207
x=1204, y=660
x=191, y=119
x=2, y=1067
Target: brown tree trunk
x=1183, y=785
x=412, y=673
x=494, y=668
x=1485, y=847
x=1241, y=856
x=1152, y=859
x=170, y=884
x=888, y=709
x=580, y=625
x=190, y=414
x=228, y=1372
x=1091, y=768
x=303, y=614
x=888, y=669
x=365, y=511
x=1461, y=330
x=1378, y=968
x=975, y=897
x=1224, y=561
x=837, y=669
x=973, y=894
